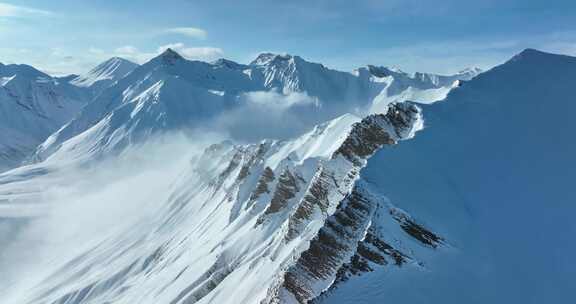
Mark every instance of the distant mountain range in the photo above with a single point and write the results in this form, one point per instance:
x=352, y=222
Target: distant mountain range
x=170, y=92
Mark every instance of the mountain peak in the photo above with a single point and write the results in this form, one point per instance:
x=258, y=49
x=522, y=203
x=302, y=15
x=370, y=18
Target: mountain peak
x=114, y=64
x=229, y=64
x=22, y=70
x=108, y=71
x=169, y=56
x=472, y=70
x=533, y=54
x=269, y=58
x=117, y=60
x=381, y=71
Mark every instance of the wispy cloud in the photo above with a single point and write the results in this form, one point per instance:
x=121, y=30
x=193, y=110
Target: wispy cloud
x=192, y=32
x=10, y=10
x=96, y=51
x=127, y=49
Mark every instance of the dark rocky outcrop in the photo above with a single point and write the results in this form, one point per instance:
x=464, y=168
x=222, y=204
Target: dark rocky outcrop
x=417, y=231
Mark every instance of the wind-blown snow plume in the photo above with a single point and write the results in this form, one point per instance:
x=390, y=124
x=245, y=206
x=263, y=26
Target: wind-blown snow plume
x=77, y=206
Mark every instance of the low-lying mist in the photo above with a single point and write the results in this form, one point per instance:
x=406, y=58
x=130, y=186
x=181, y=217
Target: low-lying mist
x=81, y=205
x=76, y=204
x=275, y=115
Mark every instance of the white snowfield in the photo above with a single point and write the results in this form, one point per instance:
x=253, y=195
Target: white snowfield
x=104, y=75
x=138, y=200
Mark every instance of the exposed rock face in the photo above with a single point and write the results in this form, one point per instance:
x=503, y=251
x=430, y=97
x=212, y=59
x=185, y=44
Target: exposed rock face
x=351, y=243
x=315, y=200
x=262, y=187
x=286, y=189
x=416, y=231
x=205, y=284
x=344, y=243
x=330, y=249
x=337, y=175
x=378, y=130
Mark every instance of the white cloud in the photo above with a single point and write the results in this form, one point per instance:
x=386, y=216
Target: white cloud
x=189, y=31
x=127, y=49
x=10, y=10
x=277, y=101
x=132, y=53
x=96, y=51
x=57, y=51
x=272, y=114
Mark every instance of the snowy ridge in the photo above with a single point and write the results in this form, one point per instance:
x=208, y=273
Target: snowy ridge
x=238, y=223
x=492, y=173
x=104, y=75
x=317, y=267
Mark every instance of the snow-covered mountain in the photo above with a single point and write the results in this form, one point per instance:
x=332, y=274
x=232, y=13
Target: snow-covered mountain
x=164, y=94
x=170, y=93
x=467, y=200
x=32, y=106
x=104, y=75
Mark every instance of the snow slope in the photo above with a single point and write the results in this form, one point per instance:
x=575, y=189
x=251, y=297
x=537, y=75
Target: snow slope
x=104, y=75
x=164, y=94
x=493, y=173
x=245, y=223
x=32, y=106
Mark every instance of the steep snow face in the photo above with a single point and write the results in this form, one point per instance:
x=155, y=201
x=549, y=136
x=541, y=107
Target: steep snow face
x=274, y=222
x=367, y=87
x=421, y=87
x=170, y=92
x=104, y=75
x=164, y=94
x=32, y=106
x=493, y=173
x=288, y=73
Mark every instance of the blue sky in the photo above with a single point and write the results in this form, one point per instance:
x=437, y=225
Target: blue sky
x=443, y=36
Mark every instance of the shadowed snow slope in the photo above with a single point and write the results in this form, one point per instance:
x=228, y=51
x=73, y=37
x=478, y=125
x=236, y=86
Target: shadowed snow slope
x=493, y=172
x=33, y=105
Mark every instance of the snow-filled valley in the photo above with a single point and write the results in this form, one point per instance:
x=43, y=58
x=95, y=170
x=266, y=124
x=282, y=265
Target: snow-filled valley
x=284, y=181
